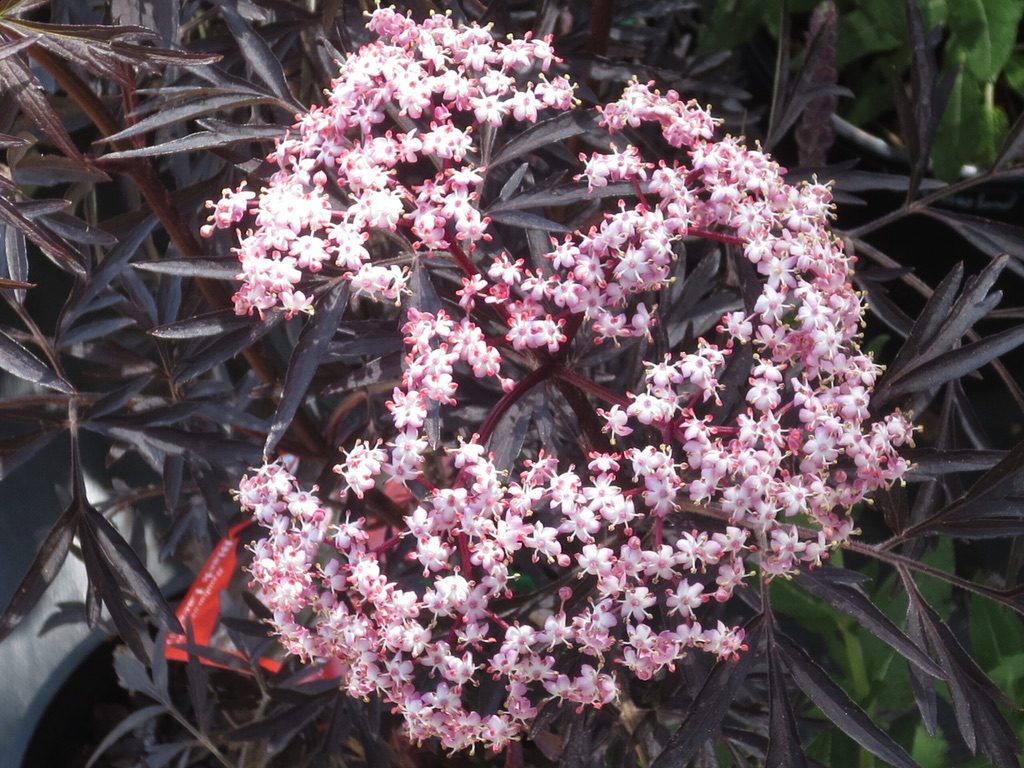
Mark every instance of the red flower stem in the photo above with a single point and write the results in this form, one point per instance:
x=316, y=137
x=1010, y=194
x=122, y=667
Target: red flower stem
x=463, y=260
x=581, y=382
x=390, y=544
x=640, y=193
x=464, y=556
x=509, y=399
x=497, y=619
x=721, y=237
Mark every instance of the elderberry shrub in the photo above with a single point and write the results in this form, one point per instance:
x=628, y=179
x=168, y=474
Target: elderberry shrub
x=395, y=159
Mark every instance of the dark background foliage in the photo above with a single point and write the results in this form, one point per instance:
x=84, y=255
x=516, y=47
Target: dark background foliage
x=120, y=120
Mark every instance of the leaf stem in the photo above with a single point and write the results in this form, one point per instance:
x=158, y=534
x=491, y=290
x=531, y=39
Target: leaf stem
x=582, y=382
x=509, y=399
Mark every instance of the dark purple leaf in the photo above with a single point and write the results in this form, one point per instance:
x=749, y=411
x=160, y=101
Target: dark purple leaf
x=1012, y=145
x=16, y=216
x=84, y=332
x=132, y=675
x=932, y=462
x=257, y=53
x=215, y=447
x=214, y=269
x=173, y=475
x=866, y=181
x=935, y=313
x=309, y=352
x=14, y=452
x=103, y=50
x=920, y=114
x=993, y=238
x=975, y=303
x=523, y=220
x=564, y=195
x=957, y=362
x=129, y=570
x=553, y=131
x=837, y=706
x=15, y=265
x=709, y=706
x=975, y=697
x=104, y=586
x=74, y=230
x=43, y=570
x=201, y=140
x=135, y=720
x=281, y=726
x=19, y=81
x=12, y=47
x=213, y=324
x=227, y=346
x=507, y=439
x=50, y=170
x=216, y=655
x=988, y=526
x=101, y=277
x=209, y=101
x=160, y=755
x=512, y=183
x=198, y=683
x=784, y=749
x=383, y=368
x=851, y=600
x=116, y=400
x=18, y=361
x=921, y=684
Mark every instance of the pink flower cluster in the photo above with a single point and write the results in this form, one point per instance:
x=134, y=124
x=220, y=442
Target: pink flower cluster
x=396, y=150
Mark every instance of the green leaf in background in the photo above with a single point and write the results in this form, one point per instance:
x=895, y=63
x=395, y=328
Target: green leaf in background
x=935, y=12
x=734, y=22
x=929, y=751
x=997, y=639
x=1014, y=72
x=972, y=128
x=872, y=27
x=984, y=32
x=938, y=594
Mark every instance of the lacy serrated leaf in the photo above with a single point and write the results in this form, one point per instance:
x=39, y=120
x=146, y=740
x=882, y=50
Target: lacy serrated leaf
x=258, y=55
x=309, y=352
x=130, y=570
x=18, y=361
x=14, y=216
x=974, y=696
x=201, y=140
x=101, y=277
x=709, y=706
x=136, y=719
x=852, y=601
x=784, y=749
x=42, y=572
x=957, y=363
x=837, y=706
x=227, y=346
x=552, y=131
x=212, y=324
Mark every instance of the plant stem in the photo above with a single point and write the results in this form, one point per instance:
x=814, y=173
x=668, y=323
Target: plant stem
x=509, y=399
x=582, y=382
x=917, y=205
